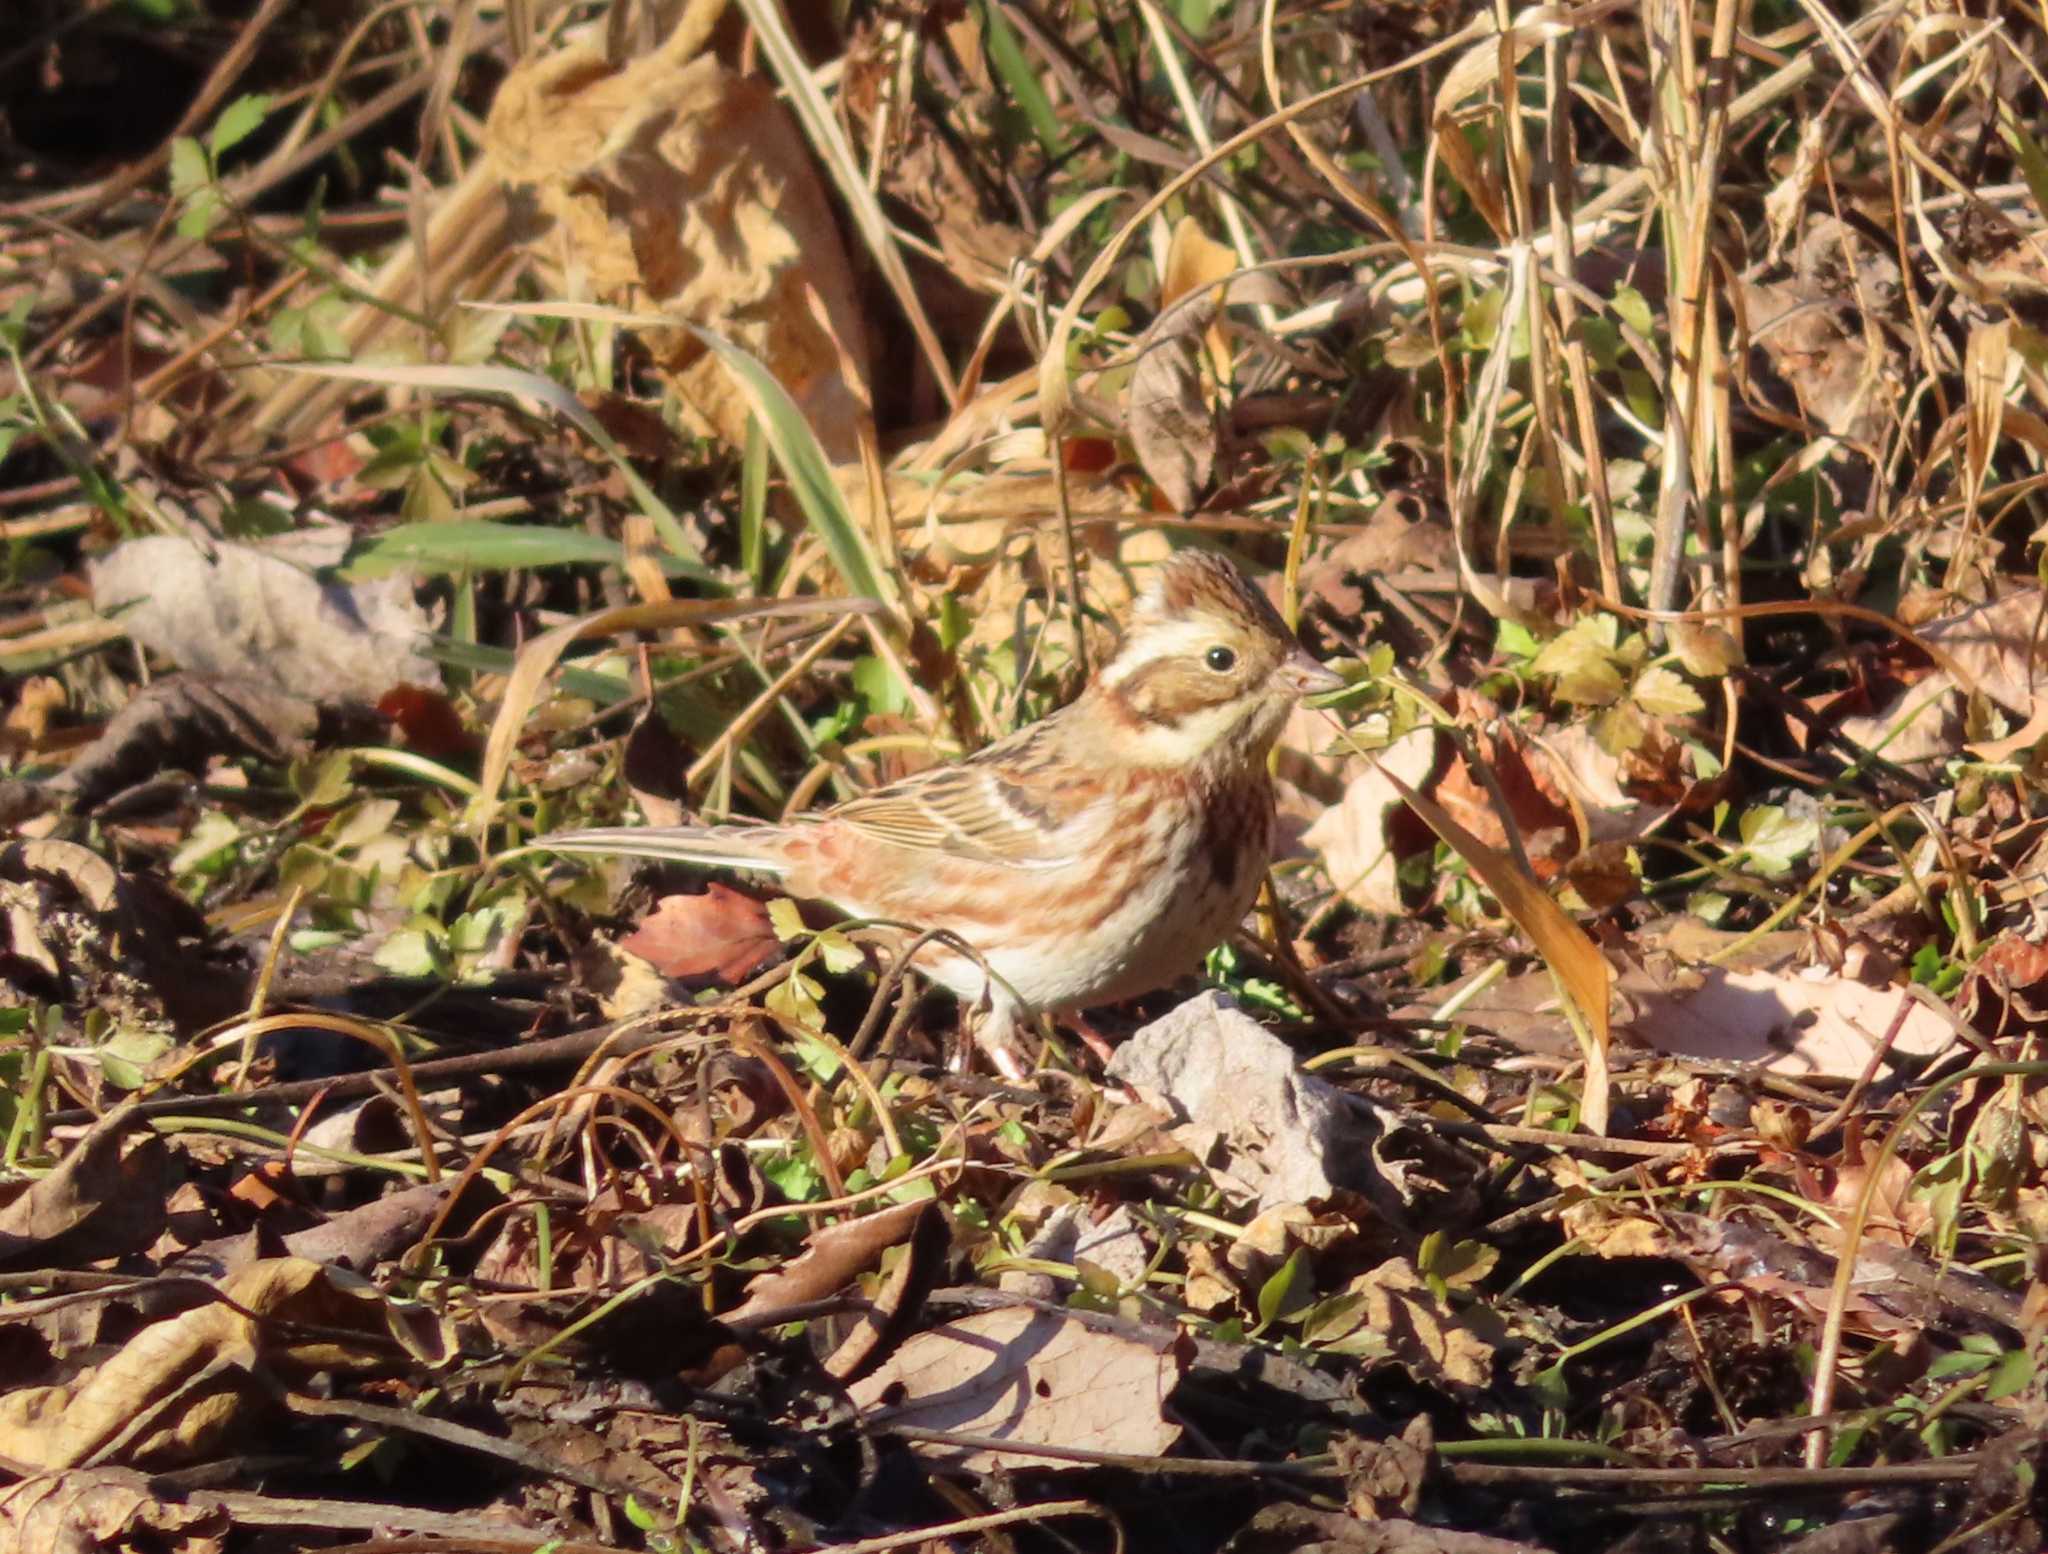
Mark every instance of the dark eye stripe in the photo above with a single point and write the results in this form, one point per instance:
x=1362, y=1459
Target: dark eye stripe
x=1165, y=691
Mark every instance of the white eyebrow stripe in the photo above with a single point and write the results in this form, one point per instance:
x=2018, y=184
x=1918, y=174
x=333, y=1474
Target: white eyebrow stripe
x=1157, y=640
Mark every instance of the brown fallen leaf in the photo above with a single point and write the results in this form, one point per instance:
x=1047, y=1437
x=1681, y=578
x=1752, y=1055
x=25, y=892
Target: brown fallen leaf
x=1788, y=1021
x=1031, y=1378
x=105, y=1508
x=1173, y=430
x=831, y=1257
x=1392, y=1311
x=1351, y=835
x=1538, y=809
x=105, y=1198
x=1581, y=970
x=27, y=723
x=1195, y=260
x=671, y=185
x=1296, y=1529
x=179, y=1387
x=723, y=934
x=897, y=1300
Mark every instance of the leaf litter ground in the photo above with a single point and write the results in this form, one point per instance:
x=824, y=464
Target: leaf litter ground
x=1622, y=1128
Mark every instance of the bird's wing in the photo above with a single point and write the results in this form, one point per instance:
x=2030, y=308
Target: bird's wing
x=1008, y=805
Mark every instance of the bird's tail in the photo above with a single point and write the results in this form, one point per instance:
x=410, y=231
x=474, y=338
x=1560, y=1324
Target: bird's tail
x=732, y=847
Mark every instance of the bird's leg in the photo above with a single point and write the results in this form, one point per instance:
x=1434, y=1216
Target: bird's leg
x=1093, y=1039
x=998, y=1028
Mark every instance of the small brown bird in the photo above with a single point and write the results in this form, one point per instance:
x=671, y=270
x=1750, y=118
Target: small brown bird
x=1091, y=856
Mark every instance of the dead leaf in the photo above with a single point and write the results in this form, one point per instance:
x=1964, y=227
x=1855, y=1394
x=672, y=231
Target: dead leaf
x=105, y=1508
x=897, y=1298
x=179, y=1386
x=1540, y=813
x=179, y=724
x=1581, y=970
x=831, y=1257
x=1172, y=428
x=1419, y=1330
x=724, y=934
x=1193, y=260
x=1208, y=1287
x=1999, y=647
x=27, y=723
x=1029, y=1377
x=1351, y=835
x=1297, y=1529
x=106, y=1198
x=1385, y=1477
x=267, y=613
x=672, y=185
x=1794, y=1022
x=428, y=722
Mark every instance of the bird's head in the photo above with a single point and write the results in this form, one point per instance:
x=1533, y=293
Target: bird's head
x=1207, y=669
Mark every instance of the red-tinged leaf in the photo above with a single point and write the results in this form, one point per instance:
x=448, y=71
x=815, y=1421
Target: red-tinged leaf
x=721, y=934
x=1089, y=455
x=325, y=464
x=429, y=722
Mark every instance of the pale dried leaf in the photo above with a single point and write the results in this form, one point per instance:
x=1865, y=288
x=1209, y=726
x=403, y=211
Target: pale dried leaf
x=266, y=614
x=1029, y=1377
x=1814, y=1021
x=832, y=1255
x=1351, y=835
x=674, y=186
x=1419, y=1330
x=1168, y=415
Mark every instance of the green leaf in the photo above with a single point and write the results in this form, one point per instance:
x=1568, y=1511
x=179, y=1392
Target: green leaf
x=1480, y=321
x=839, y=953
x=1007, y=56
x=201, y=214
x=1582, y=662
x=190, y=170
x=2012, y=1374
x=1275, y=1295
x=1330, y=1321
x=477, y=545
x=124, y=1058
x=1634, y=310
x=795, y=999
x=1959, y=1363
x=787, y=920
x=1776, y=840
x=207, y=845
x=1096, y=1279
x=2027, y=152
x=1549, y=1388
x=237, y=122
x=795, y=1176
x=803, y=465
x=878, y=685
x=1663, y=694
x=411, y=952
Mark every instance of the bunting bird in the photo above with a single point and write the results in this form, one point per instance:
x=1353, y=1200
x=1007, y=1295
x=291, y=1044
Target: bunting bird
x=1093, y=855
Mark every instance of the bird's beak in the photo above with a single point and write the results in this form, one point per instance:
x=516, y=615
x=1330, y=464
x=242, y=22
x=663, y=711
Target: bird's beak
x=1303, y=676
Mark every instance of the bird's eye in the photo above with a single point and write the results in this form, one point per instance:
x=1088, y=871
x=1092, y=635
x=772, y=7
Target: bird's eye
x=1220, y=659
